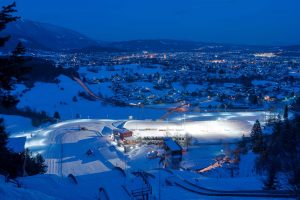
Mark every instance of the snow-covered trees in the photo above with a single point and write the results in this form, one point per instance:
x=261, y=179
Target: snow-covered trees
x=271, y=183
x=3, y=137
x=12, y=163
x=5, y=155
x=11, y=71
x=6, y=16
x=281, y=153
x=34, y=164
x=242, y=145
x=19, y=50
x=56, y=115
x=285, y=113
x=257, y=138
x=292, y=153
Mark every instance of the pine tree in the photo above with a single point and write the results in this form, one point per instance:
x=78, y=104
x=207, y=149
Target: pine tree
x=288, y=137
x=41, y=168
x=281, y=154
x=56, y=115
x=5, y=18
x=34, y=164
x=19, y=50
x=286, y=113
x=257, y=138
x=10, y=74
x=18, y=54
x=271, y=183
x=9, y=162
x=242, y=145
x=10, y=70
x=74, y=99
x=293, y=164
x=3, y=137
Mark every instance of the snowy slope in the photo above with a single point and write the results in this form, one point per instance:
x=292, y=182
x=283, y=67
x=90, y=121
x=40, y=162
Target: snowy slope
x=15, y=124
x=11, y=192
x=59, y=98
x=64, y=146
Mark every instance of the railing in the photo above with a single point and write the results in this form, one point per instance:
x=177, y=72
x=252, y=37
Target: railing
x=142, y=191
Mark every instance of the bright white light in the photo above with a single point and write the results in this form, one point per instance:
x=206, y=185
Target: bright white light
x=45, y=133
x=38, y=152
x=35, y=143
x=217, y=129
x=71, y=122
x=27, y=135
x=59, y=124
x=267, y=55
x=207, y=114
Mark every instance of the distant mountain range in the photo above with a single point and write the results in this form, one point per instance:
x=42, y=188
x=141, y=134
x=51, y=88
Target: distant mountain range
x=44, y=36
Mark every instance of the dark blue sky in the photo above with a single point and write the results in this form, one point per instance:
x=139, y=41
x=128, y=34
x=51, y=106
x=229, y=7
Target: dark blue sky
x=227, y=21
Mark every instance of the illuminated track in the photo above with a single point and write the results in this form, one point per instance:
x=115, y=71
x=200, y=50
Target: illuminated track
x=86, y=88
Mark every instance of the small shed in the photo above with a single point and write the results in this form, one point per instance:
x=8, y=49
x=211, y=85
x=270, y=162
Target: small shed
x=173, y=153
x=122, y=133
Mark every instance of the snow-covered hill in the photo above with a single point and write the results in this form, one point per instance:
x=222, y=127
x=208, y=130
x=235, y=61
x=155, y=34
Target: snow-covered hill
x=45, y=36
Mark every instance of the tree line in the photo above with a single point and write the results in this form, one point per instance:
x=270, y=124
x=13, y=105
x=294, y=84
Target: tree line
x=12, y=72
x=278, y=153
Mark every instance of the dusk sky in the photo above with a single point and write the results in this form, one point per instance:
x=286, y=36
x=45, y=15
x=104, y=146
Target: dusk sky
x=227, y=21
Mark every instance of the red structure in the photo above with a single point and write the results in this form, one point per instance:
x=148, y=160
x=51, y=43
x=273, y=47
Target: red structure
x=122, y=133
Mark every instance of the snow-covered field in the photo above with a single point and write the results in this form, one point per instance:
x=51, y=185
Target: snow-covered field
x=64, y=146
x=203, y=131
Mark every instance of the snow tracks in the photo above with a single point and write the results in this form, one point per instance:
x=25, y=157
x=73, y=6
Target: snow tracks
x=192, y=187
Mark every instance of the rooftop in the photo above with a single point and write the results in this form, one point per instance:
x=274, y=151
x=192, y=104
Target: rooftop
x=172, y=145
